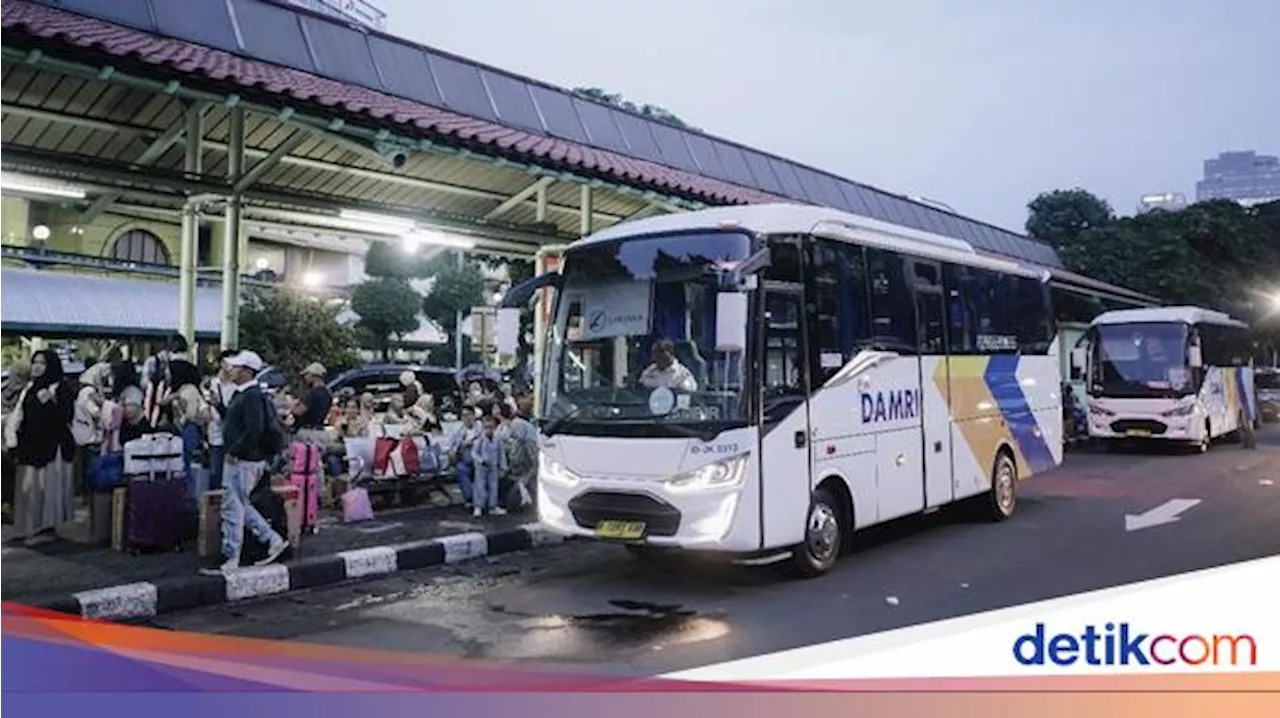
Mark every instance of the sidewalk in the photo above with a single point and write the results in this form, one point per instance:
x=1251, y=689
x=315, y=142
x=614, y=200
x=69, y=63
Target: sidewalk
x=99, y=582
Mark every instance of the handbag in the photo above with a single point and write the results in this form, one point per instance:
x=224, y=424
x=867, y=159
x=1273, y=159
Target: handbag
x=106, y=470
x=356, y=506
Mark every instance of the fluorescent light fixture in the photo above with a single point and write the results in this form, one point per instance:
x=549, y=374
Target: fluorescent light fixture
x=40, y=232
x=378, y=220
x=414, y=239
x=312, y=279
x=36, y=185
x=262, y=263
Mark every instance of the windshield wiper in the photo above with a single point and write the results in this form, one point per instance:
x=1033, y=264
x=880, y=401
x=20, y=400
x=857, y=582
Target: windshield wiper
x=554, y=425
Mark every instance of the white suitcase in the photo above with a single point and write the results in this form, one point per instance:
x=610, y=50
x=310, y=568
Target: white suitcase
x=154, y=456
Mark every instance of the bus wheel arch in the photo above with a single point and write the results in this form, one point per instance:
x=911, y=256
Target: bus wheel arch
x=839, y=490
x=828, y=523
x=1002, y=499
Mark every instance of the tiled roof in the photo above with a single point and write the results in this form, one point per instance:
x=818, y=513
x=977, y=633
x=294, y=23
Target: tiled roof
x=190, y=58
x=259, y=46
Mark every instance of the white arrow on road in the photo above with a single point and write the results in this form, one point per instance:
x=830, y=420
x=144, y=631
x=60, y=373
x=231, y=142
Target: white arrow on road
x=1165, y=513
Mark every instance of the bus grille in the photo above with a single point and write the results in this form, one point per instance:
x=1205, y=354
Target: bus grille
x=660, y=518
x=1123, y=426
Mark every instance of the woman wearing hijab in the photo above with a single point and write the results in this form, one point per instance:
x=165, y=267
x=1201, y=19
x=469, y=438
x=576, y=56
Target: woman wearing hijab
x=187, y=408
x=39, y=435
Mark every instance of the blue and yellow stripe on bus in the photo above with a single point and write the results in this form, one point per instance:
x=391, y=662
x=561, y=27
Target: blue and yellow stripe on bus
x=990, y=409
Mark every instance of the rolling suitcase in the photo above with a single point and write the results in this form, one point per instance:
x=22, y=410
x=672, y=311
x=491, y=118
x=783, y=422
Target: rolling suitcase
x=304, y=473
x=155, y=515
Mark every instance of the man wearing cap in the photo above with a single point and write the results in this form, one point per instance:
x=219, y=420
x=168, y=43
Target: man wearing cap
x=311, y=413
x=243, y=428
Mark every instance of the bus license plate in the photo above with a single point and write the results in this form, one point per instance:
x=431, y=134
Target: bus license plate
x=622, y=530
x=1137, y=432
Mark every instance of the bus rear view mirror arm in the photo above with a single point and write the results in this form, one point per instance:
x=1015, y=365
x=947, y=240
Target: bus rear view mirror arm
x=521, y=293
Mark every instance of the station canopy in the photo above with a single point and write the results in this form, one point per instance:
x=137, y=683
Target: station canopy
x=345, y=117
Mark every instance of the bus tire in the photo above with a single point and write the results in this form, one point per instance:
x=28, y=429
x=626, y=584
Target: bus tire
x=1002, y=499
x=824, y=534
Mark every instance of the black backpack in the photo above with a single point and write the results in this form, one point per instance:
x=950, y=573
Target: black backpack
x=274, y=435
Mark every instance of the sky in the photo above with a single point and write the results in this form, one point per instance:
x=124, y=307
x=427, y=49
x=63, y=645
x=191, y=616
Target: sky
x=980, y=104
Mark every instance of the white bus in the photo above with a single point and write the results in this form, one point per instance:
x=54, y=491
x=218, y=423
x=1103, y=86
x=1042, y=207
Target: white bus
x=765, y=380
x=1181, y=374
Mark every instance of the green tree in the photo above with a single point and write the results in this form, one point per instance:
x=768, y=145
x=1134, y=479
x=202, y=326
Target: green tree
x=1063, y=215
x=388, y=307
x=612, y=98
x=290, y=330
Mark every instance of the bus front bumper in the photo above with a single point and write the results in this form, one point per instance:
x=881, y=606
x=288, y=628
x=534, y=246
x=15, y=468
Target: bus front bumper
x=635, y=516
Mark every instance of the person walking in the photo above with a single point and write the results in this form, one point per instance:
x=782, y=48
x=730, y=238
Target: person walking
x=38, y=433
x=250, y=436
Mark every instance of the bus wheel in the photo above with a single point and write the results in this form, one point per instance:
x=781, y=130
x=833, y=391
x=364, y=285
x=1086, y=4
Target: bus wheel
x=1002, y=499
x=823, y=536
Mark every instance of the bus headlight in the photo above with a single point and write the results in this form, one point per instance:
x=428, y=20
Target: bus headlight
x=1183, y=410
x=553, y=472
x=720, y=475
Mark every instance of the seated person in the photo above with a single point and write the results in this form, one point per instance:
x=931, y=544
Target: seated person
x=666, y=370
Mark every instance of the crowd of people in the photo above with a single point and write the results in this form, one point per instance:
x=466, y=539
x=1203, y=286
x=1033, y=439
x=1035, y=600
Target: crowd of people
x=57, y=426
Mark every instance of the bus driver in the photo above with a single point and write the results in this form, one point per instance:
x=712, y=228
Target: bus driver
x=666, y=370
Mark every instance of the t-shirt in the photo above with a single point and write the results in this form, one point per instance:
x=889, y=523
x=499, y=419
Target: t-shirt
x=318, y=402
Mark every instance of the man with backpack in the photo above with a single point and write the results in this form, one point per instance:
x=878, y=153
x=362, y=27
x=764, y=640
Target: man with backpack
x=251, y=434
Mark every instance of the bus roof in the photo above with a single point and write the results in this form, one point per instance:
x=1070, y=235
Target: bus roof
x=784, y=218
x=1182, y=315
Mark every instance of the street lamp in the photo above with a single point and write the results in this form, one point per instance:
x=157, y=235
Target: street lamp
x=312, y=279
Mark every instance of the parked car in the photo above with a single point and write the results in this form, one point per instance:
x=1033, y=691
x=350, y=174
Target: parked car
x=1266, y=382
x=383, y=380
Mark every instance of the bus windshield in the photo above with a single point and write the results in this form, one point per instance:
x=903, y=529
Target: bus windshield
x=1142, y=360
x=632, y=350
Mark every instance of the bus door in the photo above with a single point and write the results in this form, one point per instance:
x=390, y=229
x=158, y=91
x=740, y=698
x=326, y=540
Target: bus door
x=784, y=423
x=935, y=379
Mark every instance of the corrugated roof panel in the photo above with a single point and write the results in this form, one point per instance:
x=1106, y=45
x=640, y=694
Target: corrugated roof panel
x=41, y=300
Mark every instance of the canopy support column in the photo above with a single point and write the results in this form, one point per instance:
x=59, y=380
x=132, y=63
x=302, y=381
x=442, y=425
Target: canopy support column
x=189, y=249
x=231, y=234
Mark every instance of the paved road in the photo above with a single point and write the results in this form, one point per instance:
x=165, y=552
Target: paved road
x=591, y=607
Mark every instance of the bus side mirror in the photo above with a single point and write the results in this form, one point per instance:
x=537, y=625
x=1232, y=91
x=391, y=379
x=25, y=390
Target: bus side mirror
x=731, y=321
x=1194, y=358
x=507, y=331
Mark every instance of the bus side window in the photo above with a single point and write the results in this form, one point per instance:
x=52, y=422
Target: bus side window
x=893, y=315
x=838, y=321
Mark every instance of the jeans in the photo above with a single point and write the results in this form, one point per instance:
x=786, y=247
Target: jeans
x=486, y=487
x=239, y=479
x=464, y=470
x=190, y=444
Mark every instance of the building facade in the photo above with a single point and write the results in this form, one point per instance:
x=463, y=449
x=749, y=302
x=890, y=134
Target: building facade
x=1246, y=177
x=1166, y=201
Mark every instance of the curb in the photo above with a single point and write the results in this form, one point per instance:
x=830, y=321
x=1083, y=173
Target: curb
x=147, y=599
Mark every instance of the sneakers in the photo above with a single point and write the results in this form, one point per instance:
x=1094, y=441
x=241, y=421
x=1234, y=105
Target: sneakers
x=211, y=567
x=477, y=511
x=274, y=552
x=498, y=511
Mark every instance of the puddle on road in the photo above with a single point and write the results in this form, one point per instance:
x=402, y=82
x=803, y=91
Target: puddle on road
x=456, y=607
x=583, y=637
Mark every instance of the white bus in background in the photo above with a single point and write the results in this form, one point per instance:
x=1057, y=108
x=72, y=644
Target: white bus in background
x=1180, y=374
x=834, y=372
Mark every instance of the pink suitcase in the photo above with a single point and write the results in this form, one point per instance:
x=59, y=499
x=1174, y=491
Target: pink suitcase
x=304, y=472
